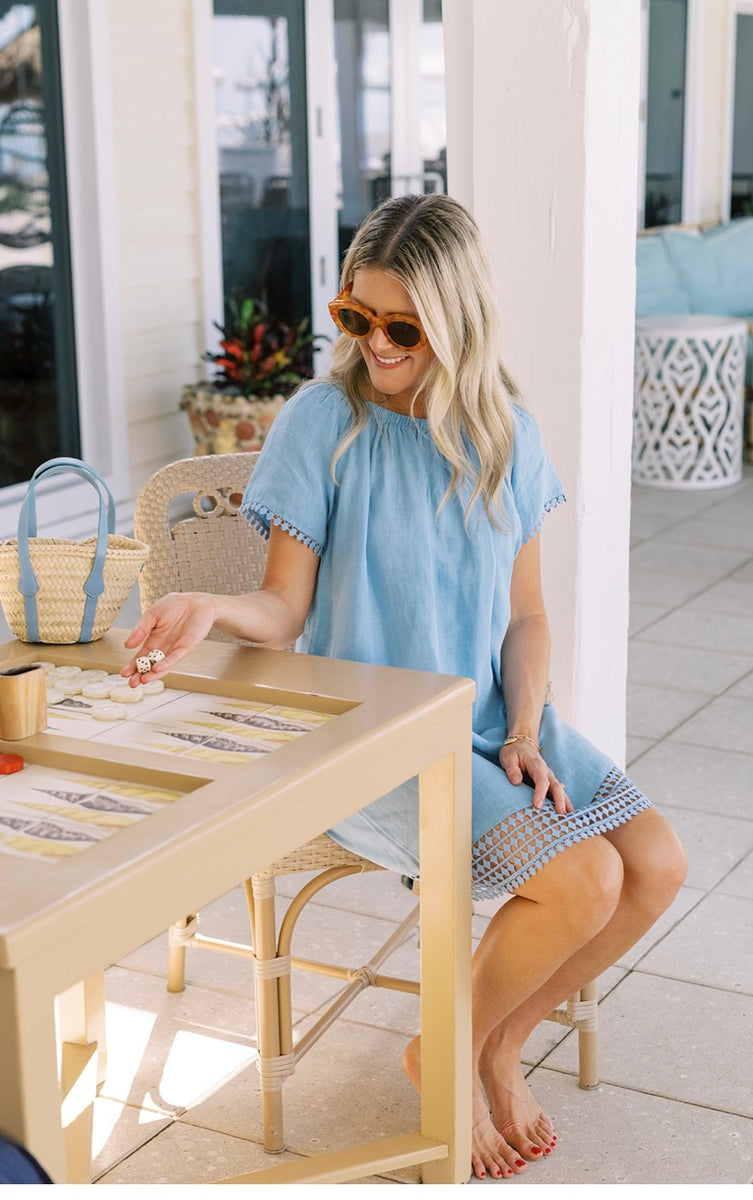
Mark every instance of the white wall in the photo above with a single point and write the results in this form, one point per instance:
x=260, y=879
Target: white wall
x=153, y=95
x=708, y=95
x=542, y=145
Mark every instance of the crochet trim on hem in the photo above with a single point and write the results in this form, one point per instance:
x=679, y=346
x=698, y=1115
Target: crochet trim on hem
x=512, y=852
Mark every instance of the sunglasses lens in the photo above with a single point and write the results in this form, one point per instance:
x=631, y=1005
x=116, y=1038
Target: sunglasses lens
x=353, y=322
x=403, y=334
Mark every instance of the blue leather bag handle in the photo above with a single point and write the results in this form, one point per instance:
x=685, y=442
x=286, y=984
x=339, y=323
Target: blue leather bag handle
x=27, y=528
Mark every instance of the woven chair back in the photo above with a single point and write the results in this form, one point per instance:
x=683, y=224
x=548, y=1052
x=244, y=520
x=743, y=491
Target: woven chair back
x=188, y=514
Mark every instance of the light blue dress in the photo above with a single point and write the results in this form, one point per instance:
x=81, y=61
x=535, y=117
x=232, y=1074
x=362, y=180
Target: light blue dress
x=403, y=582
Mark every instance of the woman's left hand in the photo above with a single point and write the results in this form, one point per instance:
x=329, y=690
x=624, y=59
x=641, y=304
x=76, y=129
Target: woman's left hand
x=521, y=760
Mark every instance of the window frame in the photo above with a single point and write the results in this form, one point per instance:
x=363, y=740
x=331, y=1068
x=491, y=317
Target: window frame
x=94, y=247
x=737, y=8
x=691, y=198
x=324, y=264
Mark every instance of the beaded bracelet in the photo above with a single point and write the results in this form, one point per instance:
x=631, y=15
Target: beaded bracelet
x=522, y=737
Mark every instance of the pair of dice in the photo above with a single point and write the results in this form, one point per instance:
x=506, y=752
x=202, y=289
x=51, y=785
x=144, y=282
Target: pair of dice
x=145, y=662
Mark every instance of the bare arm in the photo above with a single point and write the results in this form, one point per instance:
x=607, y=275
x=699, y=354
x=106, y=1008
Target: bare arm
x=525, y=672
x=526, y=648
x=272, y=616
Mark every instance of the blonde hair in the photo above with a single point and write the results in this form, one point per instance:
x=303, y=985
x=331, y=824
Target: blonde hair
x=432, y=246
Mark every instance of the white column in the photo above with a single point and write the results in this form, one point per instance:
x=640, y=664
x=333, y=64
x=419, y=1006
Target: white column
x=407, y=165
x=542, y=100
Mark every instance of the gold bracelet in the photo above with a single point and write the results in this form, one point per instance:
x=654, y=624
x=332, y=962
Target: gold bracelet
x=521, y=737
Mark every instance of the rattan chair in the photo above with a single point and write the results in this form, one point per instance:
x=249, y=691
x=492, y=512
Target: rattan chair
x=187, y=513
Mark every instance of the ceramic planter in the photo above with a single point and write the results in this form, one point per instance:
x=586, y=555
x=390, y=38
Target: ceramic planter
x=223, y=422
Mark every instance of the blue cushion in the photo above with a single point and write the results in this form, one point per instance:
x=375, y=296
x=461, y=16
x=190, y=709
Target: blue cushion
x=716, y=267
x=732, y=247
x=659, y=287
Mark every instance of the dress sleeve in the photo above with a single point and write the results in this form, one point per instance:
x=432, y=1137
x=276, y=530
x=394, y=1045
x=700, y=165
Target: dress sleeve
x=535, y=484
x=291, y=484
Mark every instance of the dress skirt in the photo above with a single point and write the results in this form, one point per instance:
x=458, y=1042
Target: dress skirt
x=511, y=839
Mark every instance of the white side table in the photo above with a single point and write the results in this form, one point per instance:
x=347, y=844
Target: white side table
x=688, y=400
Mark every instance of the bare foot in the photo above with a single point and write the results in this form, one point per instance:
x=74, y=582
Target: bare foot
x=514, y=1111
x=490, y=1153
x=412, y=1063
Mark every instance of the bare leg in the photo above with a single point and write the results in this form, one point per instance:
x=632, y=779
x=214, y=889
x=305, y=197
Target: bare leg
x=654, y=868
x=555, y=914
x=577, y=915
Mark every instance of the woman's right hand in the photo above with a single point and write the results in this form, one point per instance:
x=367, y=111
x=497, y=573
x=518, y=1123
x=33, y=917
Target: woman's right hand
x=174, y=625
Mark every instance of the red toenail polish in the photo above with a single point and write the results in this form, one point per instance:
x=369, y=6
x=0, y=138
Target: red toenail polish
x=535, y=1150
x=548, y=1150
x=519, y=1162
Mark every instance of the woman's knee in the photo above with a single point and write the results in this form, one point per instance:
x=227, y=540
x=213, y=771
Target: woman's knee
x=582, y=884
x=672, y=858
x=654, y=858
x=670, y=863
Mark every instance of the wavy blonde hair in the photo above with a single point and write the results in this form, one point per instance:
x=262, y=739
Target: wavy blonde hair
x=432, y=246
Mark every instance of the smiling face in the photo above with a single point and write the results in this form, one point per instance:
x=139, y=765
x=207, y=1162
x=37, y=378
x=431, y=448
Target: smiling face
x=394, y=373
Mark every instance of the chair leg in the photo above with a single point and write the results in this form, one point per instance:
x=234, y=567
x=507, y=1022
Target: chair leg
x=276, y=1062
x=180, y=933
x=588, y=1037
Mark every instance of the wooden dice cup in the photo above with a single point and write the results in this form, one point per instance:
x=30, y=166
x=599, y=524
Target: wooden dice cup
x=23, y=702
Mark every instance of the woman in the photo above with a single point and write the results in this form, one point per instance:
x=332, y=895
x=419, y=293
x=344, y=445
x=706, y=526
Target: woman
x=402, y=497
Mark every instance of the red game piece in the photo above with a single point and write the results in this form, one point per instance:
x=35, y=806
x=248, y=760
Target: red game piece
x=10, y=763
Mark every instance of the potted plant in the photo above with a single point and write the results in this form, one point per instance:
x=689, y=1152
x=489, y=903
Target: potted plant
x=260, y=362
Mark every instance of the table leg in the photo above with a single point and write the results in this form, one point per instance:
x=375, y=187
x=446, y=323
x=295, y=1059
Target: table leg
x=49, y=1077
x=446, y=1091
x=29, y=1094
x=81, y=1034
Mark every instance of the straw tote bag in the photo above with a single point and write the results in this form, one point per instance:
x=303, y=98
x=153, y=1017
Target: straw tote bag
x=59, y=591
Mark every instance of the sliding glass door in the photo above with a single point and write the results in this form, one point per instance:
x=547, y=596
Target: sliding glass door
x=390, y=104
x=260, y=92
x=665, y=112
x=38, y=394
x=741, y=174
x=322, y=108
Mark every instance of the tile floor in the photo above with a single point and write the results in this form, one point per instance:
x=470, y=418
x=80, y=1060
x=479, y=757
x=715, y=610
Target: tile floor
x=675, y=1103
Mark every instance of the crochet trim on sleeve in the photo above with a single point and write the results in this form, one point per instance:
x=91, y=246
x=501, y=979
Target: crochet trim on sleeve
x=548, y=507
x=261, y=517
